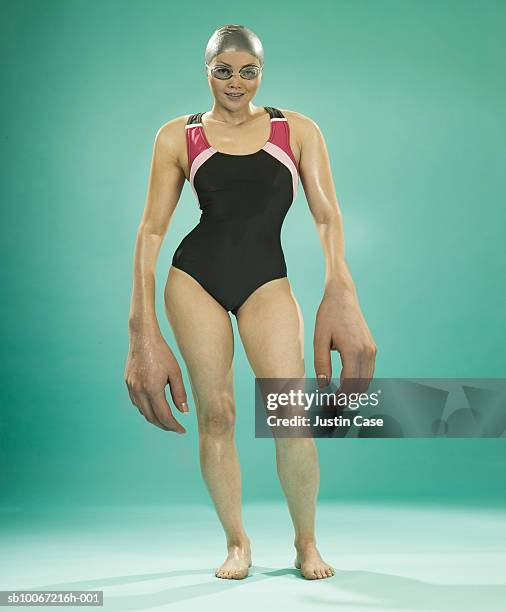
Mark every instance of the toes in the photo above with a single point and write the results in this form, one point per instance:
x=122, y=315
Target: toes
x=231, y=574
x=326, y=572
x=317, y=573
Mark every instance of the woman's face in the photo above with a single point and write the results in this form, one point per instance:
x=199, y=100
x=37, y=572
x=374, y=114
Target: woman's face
x=236, y=84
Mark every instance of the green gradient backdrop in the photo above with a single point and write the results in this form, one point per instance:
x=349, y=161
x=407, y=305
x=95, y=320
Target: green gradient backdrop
x=410, y=97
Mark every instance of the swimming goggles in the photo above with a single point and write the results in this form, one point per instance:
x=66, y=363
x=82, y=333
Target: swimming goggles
x=225, y=72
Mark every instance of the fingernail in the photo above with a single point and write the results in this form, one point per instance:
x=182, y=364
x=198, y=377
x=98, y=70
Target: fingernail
x=322, y=380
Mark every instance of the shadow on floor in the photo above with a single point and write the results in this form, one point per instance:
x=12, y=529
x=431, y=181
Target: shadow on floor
x=345, y=588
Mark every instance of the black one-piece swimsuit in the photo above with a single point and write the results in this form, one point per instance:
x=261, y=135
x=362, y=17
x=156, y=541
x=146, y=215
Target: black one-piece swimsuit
x=236, y=246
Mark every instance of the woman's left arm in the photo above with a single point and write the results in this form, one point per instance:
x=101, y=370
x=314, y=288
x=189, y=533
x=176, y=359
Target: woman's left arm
x=340, y=324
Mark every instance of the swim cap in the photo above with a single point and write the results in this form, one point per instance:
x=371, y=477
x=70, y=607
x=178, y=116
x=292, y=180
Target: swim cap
x=233, y=37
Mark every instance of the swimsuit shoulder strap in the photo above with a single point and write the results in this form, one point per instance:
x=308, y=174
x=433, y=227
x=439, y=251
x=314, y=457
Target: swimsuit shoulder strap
x=196, y=141
x=274, y=113
x=194, y=119
x=280, y=136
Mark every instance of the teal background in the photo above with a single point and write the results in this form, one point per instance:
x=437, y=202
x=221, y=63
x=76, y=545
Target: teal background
x=410, y=97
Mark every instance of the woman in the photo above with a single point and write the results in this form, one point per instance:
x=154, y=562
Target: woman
x=244, y=183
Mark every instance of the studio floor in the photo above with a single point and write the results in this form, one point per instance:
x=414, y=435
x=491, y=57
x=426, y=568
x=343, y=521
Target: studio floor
x=386, y=556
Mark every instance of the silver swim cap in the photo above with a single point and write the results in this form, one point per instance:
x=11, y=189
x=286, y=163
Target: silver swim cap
x=233, y=37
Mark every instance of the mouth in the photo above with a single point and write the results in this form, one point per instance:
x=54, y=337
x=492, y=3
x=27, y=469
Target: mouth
x=234, y=96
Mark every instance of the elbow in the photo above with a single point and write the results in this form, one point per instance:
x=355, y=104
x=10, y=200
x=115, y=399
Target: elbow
x=151, y=229
x=328, y=214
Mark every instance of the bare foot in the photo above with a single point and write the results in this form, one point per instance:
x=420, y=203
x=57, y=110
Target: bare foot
x=235, y=566
x=310, y=563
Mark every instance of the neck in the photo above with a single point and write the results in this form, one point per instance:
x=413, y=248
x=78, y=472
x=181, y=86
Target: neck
x=222, y=114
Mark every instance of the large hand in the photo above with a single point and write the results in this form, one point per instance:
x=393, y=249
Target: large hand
x=340, y=326
x=150, y=366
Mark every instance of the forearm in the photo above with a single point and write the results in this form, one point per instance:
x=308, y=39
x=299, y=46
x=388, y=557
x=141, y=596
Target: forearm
x=143, y=319
x=340, y=309
x=337, y=275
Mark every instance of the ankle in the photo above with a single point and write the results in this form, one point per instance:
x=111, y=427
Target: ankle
x=240, y=541
x=304, y=543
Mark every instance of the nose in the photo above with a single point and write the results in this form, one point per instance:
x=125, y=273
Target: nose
x=235, y=80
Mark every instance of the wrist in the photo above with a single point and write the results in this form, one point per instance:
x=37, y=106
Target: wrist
x=138, y=326
x=338, y=286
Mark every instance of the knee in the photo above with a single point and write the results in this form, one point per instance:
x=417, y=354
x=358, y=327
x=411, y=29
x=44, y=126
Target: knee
x=300, y=447
x=218, y=417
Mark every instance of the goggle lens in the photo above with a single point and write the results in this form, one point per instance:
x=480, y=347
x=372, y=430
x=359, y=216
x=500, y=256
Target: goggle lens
x=224, y=72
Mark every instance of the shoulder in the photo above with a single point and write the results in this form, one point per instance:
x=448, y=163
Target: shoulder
x=170, y=138
x=303, y=125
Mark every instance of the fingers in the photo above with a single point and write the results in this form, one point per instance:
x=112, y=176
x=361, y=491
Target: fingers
x=146, y=409
x=133, y=399
x=163, y=412
x=358, y=369
x=322, y=359
x=152, y=403
x=142, y=401
x=177, y=390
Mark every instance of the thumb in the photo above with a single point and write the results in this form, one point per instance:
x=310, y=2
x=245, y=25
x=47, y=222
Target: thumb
x=177, y=391
x=322, y=360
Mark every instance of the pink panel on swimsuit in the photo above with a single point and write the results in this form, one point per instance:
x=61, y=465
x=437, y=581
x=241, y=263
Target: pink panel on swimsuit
x=195, y=142
x=201, y=158
x=282, y=156
x=281, y=137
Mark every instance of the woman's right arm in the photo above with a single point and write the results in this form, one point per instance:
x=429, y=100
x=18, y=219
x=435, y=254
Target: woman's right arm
x=150, y=363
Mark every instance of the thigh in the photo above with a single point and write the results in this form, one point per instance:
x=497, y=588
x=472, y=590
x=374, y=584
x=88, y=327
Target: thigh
x=204, y=335
x=271, y=327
